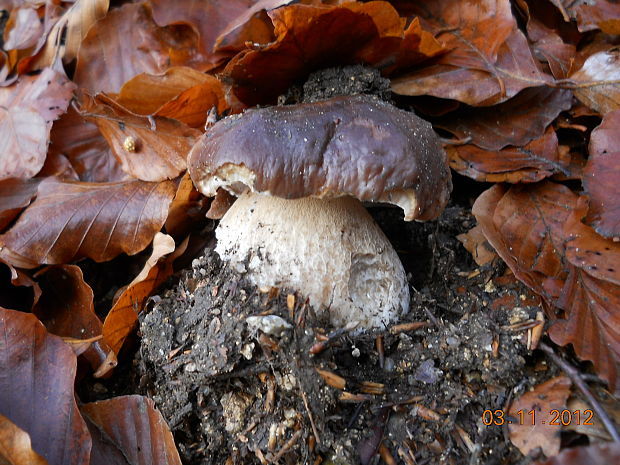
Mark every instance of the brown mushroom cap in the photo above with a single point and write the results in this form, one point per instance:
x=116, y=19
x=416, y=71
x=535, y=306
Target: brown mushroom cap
x=354, y=145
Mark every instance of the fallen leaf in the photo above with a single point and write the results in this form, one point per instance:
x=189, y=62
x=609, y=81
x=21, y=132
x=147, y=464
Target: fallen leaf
x=23, y=29
x=37, y=389
x=598, y=81
x=595, y=454
x=489, y=59
x=85, y=147
x=66, y=309
x=64, y=39
x=311, y=37
x=186, y=210
x=129, y=428
x=477, y=245
x=148, y=148
x=17, y=289
x=15, y=195
x=515, y=122
x=533, y=433
x=601, y=174
x=123, y=316
x=27, y=110
x=531, y=163
x=127, y=42
x=15, y=446
x=71, y=220
x=602, y=14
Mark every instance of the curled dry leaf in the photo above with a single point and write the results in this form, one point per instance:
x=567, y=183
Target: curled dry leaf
x=66, y=309
x=15, y=195
x=187, y=208
x=312, y=37
x=605, y=453
x=134, y=431
x=489, y=59
x=515, y=122
x=602, y=14
x=15, y=446
x=123, y=316
x=527, y=433
x=127, y=42
x=598, y=81
x=38, y=395
x=72, y=220
x=148, y=148
x=85, y=147
x=537, y=231
x=537, y=160
x=601, y=174
x=64, y=39
x=27, y=110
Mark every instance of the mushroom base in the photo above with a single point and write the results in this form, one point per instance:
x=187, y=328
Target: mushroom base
x=330, y=250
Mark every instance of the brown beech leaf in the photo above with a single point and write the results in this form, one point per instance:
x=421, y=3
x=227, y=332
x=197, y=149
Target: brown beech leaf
x=489, y=59
x=72, y=220
x=15, y=195
x=537, y=231
x=309, y=37
x=515, y=122
x=595, y=454
x=524, y=224
x=590, y=298
x=38, y=395
x=127, y=42
x=27, y=110
x=602, y=14
x=66, y=309
x=601, y=174
x=23, y=29
x=19, y=291
x=477, y=245
x=537, y=160
x=145, y=93
x=214, y=19
x=533, y=433
x=149, y=148
x=187, y=208
x=64, y=39
x=15, y=446
x=122, y=318
x=598, y=81
x=85, y=147
x=132, y=426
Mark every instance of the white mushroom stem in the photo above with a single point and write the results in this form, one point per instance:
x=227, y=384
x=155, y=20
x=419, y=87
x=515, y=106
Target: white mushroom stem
x=330, y=250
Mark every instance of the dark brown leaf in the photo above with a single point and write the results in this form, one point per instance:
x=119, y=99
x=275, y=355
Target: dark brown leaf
x=489, y=59
x=27, y=110
x=537, y=160
x=149, y=148
x=601, y=14
x=66, y=309
x=72, y=220
x=132, y=426
x=38, y=395
x=15, y=195
x=515, y=122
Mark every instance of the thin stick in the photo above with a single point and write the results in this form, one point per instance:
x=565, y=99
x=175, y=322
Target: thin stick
x=286, y=447
x=314, y=430
x=583, y=387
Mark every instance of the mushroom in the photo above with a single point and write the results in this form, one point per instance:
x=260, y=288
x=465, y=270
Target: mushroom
x=300, y=173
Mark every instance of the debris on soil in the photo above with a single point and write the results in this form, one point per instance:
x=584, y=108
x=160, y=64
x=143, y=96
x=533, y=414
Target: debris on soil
x=236, y=373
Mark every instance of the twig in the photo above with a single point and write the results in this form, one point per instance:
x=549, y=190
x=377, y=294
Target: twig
x=574, y=375
x=286, y=447
x=314, y=430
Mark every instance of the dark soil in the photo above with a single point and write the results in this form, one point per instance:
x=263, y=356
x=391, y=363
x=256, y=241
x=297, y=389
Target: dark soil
x=240, y=393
